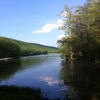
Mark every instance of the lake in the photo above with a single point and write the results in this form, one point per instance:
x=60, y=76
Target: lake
x=41, y=71
x=55, y=77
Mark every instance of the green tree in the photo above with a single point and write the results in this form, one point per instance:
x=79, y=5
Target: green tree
x=82, y=24
x=8, y=48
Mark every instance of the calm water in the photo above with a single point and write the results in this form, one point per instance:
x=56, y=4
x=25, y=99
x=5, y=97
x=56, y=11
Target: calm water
x=36, y=71
x=55, y=77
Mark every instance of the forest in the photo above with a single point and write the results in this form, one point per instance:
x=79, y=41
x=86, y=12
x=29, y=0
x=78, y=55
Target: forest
x=15, y=48
x=82, y=31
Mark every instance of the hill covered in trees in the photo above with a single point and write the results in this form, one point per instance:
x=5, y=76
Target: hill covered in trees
x=15, y=48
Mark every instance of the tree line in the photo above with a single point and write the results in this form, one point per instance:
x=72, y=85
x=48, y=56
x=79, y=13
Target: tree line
x=82, y=31
x=15, y=48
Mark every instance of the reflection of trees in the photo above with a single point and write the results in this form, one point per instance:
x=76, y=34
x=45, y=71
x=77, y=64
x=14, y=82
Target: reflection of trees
x=31, y=62
x=84, y=80
x=67, y=75
x=65, y=72
x=9, y=68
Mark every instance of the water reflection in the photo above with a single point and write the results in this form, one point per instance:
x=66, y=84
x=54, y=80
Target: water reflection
x=49, y=80
x=56, y=78
x=9, y=68
x=83, y=80
x=39, y=72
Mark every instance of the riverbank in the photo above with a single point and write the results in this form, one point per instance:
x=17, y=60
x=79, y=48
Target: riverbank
x=5, y=59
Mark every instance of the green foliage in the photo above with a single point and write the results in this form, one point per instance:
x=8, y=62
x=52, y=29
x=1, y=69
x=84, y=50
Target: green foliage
x=82, y=24
x=64, y=46
x=14, y=48
x=8, y=48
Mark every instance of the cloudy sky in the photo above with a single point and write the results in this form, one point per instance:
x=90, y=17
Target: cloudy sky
x=33, y=21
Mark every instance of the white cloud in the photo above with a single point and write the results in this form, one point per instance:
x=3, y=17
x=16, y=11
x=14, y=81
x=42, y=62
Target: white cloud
x=50, y=81
x=64, y=14
x=60, y=36
x=49, y=27
x=59, y=21
x=43, y=43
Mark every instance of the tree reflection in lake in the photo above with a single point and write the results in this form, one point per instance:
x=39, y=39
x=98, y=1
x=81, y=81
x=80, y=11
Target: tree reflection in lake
x=83, y=80
x=78, y=81
x=9, y=68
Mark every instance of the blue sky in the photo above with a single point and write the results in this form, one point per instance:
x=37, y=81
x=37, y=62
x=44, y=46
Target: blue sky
x=34, y=21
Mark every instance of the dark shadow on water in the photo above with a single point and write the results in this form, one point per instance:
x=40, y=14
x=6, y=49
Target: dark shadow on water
x=83, y=80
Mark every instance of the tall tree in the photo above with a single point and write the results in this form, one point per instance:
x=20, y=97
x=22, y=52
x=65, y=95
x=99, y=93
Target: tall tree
x=82, y=24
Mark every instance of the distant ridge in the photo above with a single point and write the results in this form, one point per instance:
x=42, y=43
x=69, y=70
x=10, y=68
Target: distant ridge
x=8, y=45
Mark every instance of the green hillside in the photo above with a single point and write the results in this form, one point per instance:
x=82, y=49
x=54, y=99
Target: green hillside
x=15, y=48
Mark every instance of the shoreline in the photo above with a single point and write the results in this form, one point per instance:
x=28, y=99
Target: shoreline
x=5, y=59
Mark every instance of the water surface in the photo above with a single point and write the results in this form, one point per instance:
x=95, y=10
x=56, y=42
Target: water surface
x=55, y=77
x=41, y=71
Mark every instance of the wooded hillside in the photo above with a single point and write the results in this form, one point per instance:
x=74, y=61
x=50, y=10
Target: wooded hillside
x=15, y=48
